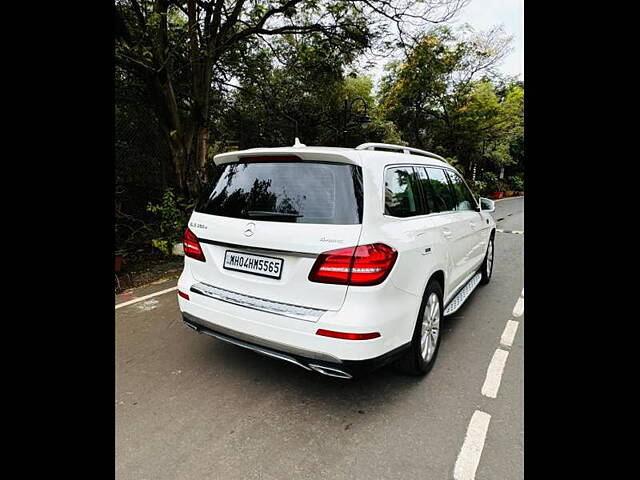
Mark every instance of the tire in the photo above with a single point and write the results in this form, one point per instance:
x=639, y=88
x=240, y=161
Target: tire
x=414, y=362
x=487, y=264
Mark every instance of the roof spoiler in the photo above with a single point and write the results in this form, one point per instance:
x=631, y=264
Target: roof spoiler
x=399, y=148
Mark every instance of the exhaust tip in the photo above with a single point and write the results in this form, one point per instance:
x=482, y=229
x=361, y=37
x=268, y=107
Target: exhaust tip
x=330, y=372
x=190, y=325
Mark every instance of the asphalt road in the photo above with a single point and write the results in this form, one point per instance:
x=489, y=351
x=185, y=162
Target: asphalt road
x=191, y=407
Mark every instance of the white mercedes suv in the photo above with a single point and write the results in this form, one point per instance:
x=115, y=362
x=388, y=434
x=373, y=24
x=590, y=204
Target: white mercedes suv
x=337, y=260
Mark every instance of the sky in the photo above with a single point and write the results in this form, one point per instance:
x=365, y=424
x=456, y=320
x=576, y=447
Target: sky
x=482, y=15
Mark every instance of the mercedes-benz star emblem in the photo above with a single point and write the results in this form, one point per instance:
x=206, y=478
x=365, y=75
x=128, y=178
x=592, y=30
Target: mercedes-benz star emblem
x=250, y=230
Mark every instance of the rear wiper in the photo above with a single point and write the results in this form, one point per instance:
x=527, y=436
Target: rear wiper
x=261, y=213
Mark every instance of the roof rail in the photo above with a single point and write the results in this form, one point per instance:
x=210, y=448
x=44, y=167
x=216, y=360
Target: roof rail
x=399, y=148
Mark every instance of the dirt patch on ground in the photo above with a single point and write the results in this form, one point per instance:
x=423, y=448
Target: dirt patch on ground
x=147, y=270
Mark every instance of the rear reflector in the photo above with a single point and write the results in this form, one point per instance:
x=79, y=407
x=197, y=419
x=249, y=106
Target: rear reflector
x=183, y=295
x=192, y=246
x=347, y=336
x=362, y=265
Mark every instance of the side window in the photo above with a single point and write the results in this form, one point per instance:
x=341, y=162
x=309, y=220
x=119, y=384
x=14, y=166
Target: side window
x=427, y=192
x=464, y=198
x=400, y=193
x=439, y=190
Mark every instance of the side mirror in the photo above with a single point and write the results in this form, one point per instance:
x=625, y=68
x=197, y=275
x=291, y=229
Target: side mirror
x=487, y=205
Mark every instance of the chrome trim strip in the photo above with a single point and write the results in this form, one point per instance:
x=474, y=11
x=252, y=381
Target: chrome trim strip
x=245, y=337
x=277, y=308
x=258, y=249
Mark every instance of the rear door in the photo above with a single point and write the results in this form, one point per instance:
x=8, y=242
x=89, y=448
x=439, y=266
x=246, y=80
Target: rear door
x=262, y=224
x=409, y=230
x=455, y=230
x=472, y=222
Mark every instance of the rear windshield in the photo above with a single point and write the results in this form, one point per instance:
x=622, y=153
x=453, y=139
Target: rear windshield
x=299, y=192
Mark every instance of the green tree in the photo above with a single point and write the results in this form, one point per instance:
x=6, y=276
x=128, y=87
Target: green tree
x=182, y=51
x=294, y=85
x=446, y=97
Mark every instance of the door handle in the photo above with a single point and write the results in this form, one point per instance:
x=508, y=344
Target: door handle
x=446, y=232
x=472, y=225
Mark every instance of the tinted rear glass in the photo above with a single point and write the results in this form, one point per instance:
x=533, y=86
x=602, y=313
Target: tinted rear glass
x=400, y=193
x=301, y=192
x=439, y=190
x=464, y=197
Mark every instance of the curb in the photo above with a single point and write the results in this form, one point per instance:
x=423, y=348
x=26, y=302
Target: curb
x=508, y=198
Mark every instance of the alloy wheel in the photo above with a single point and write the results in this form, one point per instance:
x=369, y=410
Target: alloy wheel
x=489, y=258
x=430, y=328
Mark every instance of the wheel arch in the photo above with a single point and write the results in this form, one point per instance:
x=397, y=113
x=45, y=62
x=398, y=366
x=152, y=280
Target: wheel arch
x=439, y=276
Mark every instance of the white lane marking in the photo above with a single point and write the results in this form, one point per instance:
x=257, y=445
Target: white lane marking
x=518, y=309
x=494, y=373
x=509, y=333
x=146, y=297
x=469, y=456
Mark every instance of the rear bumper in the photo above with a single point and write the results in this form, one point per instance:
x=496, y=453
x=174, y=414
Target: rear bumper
x=292, y=332
x=310, y=360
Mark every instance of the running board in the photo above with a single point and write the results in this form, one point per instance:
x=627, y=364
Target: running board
x=463, y=294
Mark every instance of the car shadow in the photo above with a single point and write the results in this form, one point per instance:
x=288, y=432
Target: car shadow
x=271, y=375
x=263, y=375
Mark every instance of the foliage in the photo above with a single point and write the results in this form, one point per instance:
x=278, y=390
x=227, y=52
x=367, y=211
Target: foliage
x=303, y=91
x=493, y=184
x=478, y=187
x=438, y=100
x=516, y=183
x=455, y=163
x=196, y=78
x=172, y=214
x=188, y=54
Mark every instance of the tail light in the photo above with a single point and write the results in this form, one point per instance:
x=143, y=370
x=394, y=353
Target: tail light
x=362, y=265
x=192, y=246
x=347, y=336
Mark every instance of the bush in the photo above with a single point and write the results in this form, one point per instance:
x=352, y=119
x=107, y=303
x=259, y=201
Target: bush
x=490, y=183
x=516, y=183
x=478, y=188
x=494, y=184
x=173, y=214
x=501, y=186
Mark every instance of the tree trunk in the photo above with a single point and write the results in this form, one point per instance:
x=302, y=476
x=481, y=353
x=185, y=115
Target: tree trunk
x=179, y=159
x=203, y=146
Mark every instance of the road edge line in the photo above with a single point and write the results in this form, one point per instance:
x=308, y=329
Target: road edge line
x=146, y=297
x=508, y=198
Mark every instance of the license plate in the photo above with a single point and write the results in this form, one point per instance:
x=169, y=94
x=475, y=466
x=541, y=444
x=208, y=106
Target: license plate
x=255, y=264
